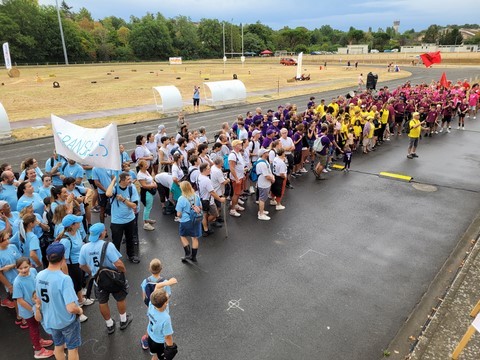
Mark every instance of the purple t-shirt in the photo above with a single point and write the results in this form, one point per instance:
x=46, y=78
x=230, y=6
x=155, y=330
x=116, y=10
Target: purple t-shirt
x=266, y=142
x=296, y=137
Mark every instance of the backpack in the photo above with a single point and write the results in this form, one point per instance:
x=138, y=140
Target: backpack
x=108, y=207
x=253, y=172
x=174, y=150
x=150, y=288
x=133, y=156
x=189, y=179
x=226, y=164
x=406, y=127
x=317, y=145
x=194, y=216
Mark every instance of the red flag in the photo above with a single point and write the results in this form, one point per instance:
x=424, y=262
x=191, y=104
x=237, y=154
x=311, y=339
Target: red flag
x=431, y=58
x=444, y=81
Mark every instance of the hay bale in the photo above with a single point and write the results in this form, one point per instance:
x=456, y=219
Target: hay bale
x=116, y=78
x=14, y=73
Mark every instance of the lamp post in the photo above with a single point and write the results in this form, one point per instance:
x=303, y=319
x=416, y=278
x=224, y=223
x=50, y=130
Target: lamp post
x=61, y=34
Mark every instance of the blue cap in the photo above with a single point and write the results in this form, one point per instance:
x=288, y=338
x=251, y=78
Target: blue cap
x=70, y=219
x=55, y=249
x=95, y=231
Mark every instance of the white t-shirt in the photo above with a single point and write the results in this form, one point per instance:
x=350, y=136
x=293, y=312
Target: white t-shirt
x=287, y=143
x=263, y=169
x=145, y=176
x=205, y=187
x=164, y=179
x=253, y=147
x=279, y=166
x=242, y=134
x=177, y=172
x=216, y=175
x=142, y=151
x=239, y=165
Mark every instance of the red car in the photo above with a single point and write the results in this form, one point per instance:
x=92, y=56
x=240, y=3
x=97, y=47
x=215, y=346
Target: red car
x=288, y=61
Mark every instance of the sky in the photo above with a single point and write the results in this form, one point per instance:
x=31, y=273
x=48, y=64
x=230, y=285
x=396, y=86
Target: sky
x=361, y=14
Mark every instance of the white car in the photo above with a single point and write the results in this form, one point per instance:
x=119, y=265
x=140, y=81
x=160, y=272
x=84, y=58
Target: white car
x=374, y=51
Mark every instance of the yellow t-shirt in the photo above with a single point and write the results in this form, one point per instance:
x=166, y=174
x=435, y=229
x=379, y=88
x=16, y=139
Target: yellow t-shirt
x=385, y=115
x=363, y=117
x=320, y=110
x=414, y=133
x=372, y=129
x=357, y=130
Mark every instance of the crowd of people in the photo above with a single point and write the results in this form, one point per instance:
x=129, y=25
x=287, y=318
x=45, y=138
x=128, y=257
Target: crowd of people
x=53, y=254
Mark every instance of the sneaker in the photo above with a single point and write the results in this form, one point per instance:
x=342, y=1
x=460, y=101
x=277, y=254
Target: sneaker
x=239, y=208
x=436, y=132
x=96, y=209
x=134, y=259
x=150, y=221
x=409, y=156
x=86, y=302
x=144, y=342
x=206, y=233
x=177, y=219
x=83, y=318
x=449, y=127
x=263, y=217
x=448, y=131
x=414, y=155
x=111, y=329
x=241, y=202
x=264, y=211
x=273, y=202
x=289, y=186
x=217, y=224
x=463, y=127
x=325, y=171
x=7, y=303
x=124, y=324
x=148, y=227
x=441, y=130
x=46, y=343
x=474, y=117
x=279, y=207
x=303, y=170
x=458, y=127
x=234, y=213
x=252, y=190
x=293, y=175
x=43, y=354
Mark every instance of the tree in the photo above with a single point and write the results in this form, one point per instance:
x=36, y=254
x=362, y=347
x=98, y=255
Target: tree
x=355, y=36
x=210, y=34
x=252, y=42
x=150, y=38
x=432, y=34
x=185, y=37
x=451, y=37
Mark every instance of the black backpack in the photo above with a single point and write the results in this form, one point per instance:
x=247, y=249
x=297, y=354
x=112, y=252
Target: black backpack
x=150, y=288
x=189, y=179
x=406, y=127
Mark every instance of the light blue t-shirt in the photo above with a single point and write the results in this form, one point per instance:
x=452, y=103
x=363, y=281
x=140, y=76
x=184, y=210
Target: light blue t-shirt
x=9, y=256
x=9, y=194
x=56, y=291
x=91, y=252
x=37, y=170
x=184, y=206
x=13, y=220
x=152, y=279
x=75, y=171
x=121, y=213
x=32, y=243
x=37, y=185
x=50, y=164
x=38, y=205
x=159, y=324
x=73, y=244
x=23, y=288
x=102, y=175
x=45, y=192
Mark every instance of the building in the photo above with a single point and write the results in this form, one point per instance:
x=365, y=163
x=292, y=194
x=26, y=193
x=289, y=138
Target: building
x=434, y=47
x=353, y=50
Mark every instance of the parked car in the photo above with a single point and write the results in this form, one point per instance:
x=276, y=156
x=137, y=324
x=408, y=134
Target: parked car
x=394, y=50
x=316, y=53
x=288, y=61
x=250, y=53
x=374, y=51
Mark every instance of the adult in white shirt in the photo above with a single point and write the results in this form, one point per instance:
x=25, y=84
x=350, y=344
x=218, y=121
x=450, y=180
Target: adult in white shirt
x=237, y=176
x=242, y=132
x=159, y=135
x=265, y=180
x=147, y=189
x=254, y=145
x=164, y=183
x=208, y=196
x=280, y=173
x=165, y=159
x=289, y=147
x=141, y=151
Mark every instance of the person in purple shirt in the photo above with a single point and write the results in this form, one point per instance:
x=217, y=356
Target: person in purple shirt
x=274, y=127
x=297, y=153
x=399, y=109
x=322, y=151
x=268, y=139
x=279, y=112
x=248, y=119
x=258, y=114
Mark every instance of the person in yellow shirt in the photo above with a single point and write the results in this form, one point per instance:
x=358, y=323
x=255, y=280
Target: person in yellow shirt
x=416, y=128
x=321, y=109
x=335, y=107
x=384, y=115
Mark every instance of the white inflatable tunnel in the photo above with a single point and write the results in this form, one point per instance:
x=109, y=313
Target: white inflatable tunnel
x=225, y=92
x=5, y=129
x=169, y=99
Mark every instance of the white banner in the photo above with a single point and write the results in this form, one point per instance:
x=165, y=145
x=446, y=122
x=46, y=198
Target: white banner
x=175, y=60
x=299, y=65
x=95, y=147
x=6, y=55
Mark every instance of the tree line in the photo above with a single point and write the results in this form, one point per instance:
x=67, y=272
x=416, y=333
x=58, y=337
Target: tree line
x=32, y=32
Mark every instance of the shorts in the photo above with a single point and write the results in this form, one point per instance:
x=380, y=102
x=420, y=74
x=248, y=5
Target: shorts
x=156, y=348
x=398, y=119
x=190, y=228
x=176, y=191
x=102, y=200
x=297, y=157
x=212, y=210
x=366, y=141
x=322, y=159
x=431, y=125
x=196, y=102
x=103, y=296
x=473, y=108
x=69, y=335
x=92, y=182
x=163, y=192
x=413, y=142
x=447, y=119
x=237, y=186
x=263, y=194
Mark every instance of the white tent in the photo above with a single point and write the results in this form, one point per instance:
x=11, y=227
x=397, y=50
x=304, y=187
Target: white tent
x=5, y=129
x=170, y=99
x=225, y=92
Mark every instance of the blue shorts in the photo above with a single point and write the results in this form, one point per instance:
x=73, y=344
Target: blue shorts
x=69, y=335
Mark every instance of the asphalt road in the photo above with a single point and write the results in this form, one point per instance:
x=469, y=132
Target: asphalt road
x=333, y=276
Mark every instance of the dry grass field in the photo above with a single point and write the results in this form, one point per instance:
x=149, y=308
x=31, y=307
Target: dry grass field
x=32, y=95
